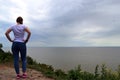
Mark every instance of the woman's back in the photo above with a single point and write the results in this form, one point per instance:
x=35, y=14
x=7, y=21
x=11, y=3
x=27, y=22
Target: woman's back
x=19, y=31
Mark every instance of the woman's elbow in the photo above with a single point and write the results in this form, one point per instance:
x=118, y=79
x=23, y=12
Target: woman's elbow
x=6, y=33
x=30, y=33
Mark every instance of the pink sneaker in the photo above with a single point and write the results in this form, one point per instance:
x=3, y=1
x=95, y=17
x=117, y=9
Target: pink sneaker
x=18, y=76
x=24, y=75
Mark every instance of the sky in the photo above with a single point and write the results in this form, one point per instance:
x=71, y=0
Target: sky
x=64, y=23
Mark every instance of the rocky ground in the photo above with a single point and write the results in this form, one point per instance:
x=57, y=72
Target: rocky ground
x=8, y=73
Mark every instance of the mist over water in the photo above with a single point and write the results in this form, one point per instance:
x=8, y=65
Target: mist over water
x=67, y=58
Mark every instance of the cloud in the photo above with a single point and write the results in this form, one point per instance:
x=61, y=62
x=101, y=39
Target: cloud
x=66, y=22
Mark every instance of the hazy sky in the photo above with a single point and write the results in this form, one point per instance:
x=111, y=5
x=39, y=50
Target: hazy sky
x=64, y=23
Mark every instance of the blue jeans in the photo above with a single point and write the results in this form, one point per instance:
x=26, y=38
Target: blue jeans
x=16, y=48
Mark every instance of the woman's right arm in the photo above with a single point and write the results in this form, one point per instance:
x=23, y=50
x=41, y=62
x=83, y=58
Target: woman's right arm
x=7, y=35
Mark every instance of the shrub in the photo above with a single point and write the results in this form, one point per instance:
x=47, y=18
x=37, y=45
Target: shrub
x=30, y=61
x=1, y=45
x=75, y=74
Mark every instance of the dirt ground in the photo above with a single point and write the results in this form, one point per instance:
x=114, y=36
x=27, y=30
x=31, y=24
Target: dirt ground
x=8, y=73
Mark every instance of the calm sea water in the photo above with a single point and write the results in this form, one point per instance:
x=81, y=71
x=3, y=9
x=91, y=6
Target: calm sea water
x=67, y=58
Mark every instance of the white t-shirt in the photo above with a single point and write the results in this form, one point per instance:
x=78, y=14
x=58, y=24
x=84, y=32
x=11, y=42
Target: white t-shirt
x=19, y=32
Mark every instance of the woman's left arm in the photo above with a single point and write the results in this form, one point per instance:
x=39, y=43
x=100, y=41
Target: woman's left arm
x=28, y=34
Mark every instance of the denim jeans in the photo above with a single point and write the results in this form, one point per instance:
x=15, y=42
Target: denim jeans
x=19, y=47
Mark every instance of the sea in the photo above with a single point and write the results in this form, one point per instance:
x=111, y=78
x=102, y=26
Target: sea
x=67, y=58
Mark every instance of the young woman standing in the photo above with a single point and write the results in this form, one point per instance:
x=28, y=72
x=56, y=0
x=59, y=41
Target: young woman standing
x=19, y=45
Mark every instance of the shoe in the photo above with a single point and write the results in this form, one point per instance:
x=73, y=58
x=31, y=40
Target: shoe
x=24, y=75
x=18, y=76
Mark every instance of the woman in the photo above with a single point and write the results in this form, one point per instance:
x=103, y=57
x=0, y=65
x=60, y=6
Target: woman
x=19, y=45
